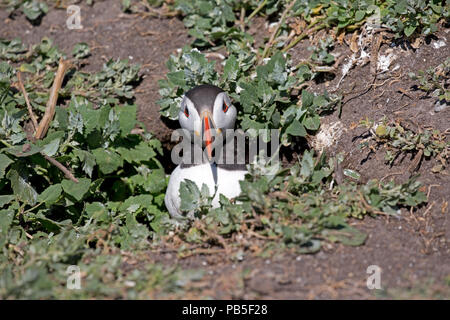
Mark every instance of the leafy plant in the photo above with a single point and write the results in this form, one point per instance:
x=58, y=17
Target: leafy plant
x=397, y=140
x=435, y=80
x=118, y=182
x=301, y=206
x=321, y=54
x=32, y=9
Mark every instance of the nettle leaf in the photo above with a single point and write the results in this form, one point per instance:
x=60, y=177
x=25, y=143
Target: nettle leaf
x=137, y=203
x=312, y=123
x=277, y=64
x=359, y=15
x=189, y=195
x=6, y=217
x=127, y=118
x=347, y=236
x=21, y=188
x=52, y=148
x=5, y=161
x=177, y=78
x=76, y=190
x=156, y=181
x=307, y=164
x=352, y=174
x=5, y=199
x=62, y=118
x=307, y=99
x=50, y=195
x=88, y=160
x=23, y=150
x=97, y=210
x=231, y=68
x=34, y=9
x=409, y=30
x=296, y=129
x=81, y=50
x=108, y=161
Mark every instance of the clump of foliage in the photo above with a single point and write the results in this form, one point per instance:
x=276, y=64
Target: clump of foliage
x=397, y=140
x=321, y=54
x=114, y=201
x=214, y=23
x=435, y=80
x=33, y=9
x=300, y=207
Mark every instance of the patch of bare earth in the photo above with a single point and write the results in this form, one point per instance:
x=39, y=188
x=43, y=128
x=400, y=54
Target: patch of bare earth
x=410, y=250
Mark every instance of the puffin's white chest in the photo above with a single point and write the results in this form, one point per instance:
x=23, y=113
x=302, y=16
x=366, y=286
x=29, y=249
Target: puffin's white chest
x=227, y=184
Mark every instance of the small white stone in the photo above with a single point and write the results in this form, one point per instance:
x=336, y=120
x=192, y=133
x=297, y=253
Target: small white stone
x=439, y=44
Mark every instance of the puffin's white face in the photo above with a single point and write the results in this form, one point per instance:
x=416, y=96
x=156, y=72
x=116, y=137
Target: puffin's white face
x=206, y=107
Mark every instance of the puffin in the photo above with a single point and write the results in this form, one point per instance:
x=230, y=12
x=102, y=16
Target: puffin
x=204, y=110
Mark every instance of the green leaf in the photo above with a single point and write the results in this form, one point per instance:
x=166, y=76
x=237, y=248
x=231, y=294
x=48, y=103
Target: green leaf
x=23, y=150
x=296, y=129
x=81, y=50
x=76, y=190
x=137, y=203
x=189, y=195
x=307, y=99
x=177, y=78
x=21, y=188
x=50, y=195
x=108, y=161
x=6, y=217
x=359, y=15
x=142, y=152
x=97, y=210
x=5, y=161
x=231, y=69
x=5, y=199
x=312, y=123
x=127, y=118
x=52, y=148
x=88, y=160
x=352, y=174
x=409, y=30
x=348, y=236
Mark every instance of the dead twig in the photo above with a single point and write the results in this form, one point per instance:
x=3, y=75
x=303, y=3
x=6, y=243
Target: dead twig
x=61, y=167
x=41, y=129
x=25, y=95
x=51, y=104
x=416, y=161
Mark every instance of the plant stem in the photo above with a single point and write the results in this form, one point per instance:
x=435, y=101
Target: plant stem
x=302, y=36
x=256, y=10
x=275, y=32
x=6, y=143
x=32, y=208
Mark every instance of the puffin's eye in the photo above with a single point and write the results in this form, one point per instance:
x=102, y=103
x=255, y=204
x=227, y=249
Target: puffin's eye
x=186, y=112
x=225, y=107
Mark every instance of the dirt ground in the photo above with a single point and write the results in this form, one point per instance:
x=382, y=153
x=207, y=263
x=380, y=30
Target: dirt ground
x=412, y=251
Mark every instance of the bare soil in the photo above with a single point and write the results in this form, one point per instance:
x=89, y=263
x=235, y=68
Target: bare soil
x=412, y=251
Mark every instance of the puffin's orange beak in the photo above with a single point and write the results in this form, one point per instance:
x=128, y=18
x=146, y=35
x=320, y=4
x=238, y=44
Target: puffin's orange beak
x=207, y=125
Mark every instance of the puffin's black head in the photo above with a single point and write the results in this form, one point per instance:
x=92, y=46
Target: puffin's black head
x=206, y=107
